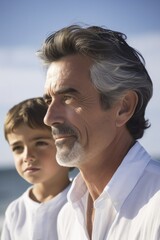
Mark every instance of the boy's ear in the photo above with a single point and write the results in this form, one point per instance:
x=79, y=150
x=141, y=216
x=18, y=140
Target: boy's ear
x=127, y=107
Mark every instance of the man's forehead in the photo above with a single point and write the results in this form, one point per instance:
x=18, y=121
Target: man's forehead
x=53, y=71
x=69, y=72
x=58, y=86
x=53, y=76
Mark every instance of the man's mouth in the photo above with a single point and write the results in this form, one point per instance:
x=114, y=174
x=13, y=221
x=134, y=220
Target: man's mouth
x=59, y=137
x=62, y=131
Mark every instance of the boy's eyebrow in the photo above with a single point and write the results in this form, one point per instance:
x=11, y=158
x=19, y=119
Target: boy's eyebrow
x=14, y=143
x=42, y=137
x=32, y=139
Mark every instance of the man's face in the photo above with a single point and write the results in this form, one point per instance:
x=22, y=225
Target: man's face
x=81, y=128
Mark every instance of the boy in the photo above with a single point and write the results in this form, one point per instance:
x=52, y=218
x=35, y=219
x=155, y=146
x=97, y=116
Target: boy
x=34, y=214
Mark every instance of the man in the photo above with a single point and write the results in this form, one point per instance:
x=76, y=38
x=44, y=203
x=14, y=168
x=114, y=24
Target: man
x=97, y=90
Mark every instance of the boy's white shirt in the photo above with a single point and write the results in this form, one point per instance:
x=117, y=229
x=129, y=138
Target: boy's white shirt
x=28, y=220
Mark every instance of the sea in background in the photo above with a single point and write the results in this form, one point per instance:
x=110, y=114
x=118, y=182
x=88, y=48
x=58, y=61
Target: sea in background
x=11, y=187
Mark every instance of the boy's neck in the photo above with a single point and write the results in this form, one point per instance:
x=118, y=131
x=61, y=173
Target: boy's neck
x=42, y=193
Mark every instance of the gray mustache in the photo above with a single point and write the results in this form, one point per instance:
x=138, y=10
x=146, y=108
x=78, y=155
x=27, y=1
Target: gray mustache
x=63, y=129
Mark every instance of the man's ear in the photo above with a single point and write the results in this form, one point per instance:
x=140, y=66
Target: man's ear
x=127, y=107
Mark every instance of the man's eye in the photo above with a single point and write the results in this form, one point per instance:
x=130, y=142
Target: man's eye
x=67, y=98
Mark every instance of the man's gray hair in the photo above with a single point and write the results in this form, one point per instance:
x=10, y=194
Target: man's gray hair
x=117, y=67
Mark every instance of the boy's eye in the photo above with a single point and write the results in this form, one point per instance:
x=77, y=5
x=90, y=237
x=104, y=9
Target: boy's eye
x=41, y=143
x=17, y=149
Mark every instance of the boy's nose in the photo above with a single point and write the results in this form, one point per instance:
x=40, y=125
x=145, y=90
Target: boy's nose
x=28, y=156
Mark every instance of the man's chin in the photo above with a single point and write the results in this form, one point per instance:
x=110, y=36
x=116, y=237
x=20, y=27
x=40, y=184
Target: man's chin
x=70, y=155
x=61, y=162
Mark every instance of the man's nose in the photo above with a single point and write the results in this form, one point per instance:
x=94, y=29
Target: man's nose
x=54, y=114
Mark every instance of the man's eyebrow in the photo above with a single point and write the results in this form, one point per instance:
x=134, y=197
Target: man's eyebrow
x=66, y=90
x=61, y=91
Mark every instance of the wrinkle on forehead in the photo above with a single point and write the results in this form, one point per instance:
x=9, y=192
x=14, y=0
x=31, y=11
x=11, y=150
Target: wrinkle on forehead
x=56, y=74
x=66, y=69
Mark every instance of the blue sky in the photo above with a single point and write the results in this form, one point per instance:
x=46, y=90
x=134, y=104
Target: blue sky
x=25, y=24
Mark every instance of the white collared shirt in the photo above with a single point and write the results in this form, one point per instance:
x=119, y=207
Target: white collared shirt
x=127, y=209
x=26, y=219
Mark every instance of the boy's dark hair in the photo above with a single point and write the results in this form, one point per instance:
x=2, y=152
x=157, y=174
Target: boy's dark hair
x=30, y=112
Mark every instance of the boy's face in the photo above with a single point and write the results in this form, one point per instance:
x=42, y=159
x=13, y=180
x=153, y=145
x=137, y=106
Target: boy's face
x=34, y=155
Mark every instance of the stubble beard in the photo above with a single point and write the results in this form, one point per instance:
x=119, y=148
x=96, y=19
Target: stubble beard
x=70, y=157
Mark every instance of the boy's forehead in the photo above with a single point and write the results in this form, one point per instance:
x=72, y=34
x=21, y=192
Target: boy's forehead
x=26, y=131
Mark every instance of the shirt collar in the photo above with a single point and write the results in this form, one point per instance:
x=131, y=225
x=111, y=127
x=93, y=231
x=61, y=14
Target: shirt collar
x=127, y=175
x=78, y=189
x=122, y=182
